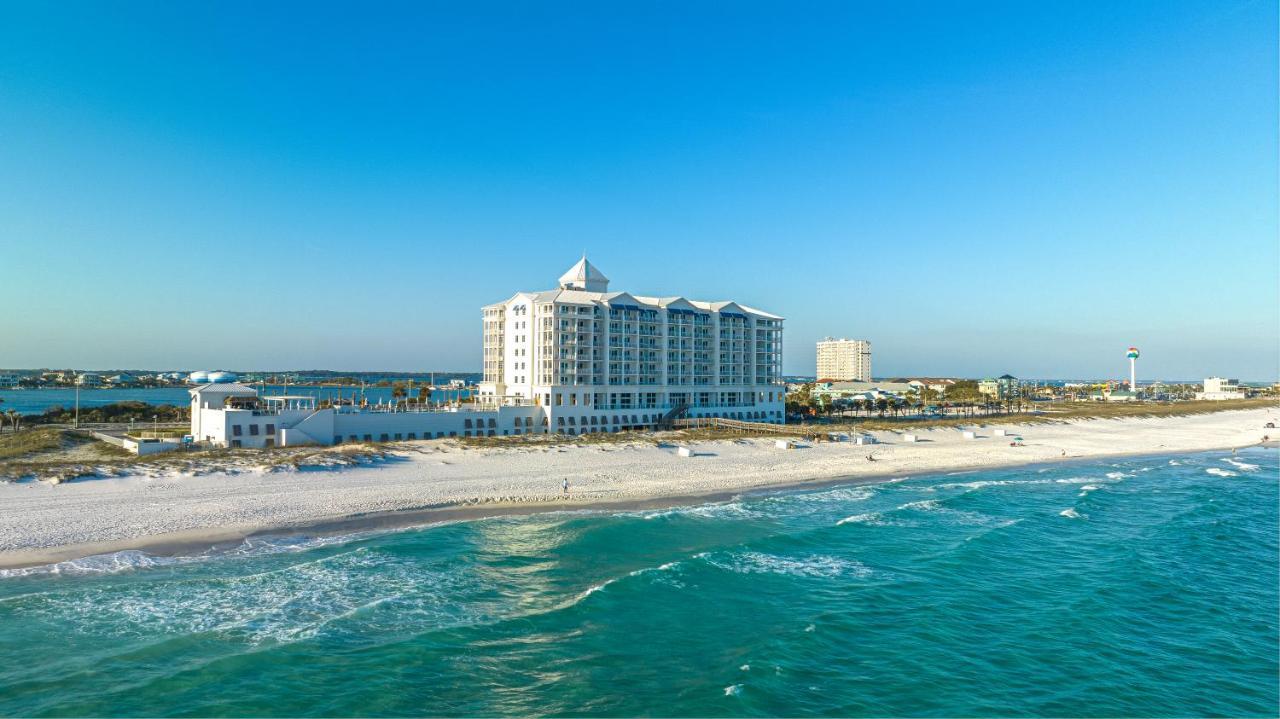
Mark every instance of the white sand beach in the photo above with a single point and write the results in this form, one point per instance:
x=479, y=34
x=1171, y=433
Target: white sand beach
x=436, y=480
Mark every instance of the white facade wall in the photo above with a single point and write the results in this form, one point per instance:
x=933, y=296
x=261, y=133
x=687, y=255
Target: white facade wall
x=844, y=360
x=1221, y=384
x=1221, y=388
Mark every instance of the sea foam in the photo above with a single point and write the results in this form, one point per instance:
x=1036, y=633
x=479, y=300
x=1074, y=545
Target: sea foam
x=1242, y=465
x=134, y=559
x=859, y=519
x=815, y=565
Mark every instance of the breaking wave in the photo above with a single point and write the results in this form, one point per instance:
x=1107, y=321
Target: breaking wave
x=1242, y=465
x=135, y=559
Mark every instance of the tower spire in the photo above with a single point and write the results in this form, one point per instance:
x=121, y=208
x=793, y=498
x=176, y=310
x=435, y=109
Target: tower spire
x=584, y=276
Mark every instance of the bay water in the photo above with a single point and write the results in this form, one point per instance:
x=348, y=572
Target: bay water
x=35, y=401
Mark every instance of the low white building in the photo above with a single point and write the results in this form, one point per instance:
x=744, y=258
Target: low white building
x=1220, y=388
x=88, y=379
x=863, y=390
x=234, y=415
x=9, y=380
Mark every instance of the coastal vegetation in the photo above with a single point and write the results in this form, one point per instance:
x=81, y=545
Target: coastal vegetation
x=1042, y=412
x=32, y=442
x=116, y=412
x=60, y=454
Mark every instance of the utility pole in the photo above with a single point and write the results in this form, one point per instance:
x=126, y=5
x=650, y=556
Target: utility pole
x=75, y=379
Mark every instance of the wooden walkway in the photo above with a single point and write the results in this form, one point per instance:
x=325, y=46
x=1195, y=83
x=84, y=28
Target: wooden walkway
x=737, y=425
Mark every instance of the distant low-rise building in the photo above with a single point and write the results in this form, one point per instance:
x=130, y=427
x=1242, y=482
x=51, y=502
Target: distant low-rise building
x=853, y=390
x=1003, y=387
x=9, y=380
x=88, y=379
x=1220, y=388
x=1114, y=395
x=937, y=384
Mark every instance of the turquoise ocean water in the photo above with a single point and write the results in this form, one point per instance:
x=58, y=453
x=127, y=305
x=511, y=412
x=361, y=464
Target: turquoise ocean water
x=1137, y=587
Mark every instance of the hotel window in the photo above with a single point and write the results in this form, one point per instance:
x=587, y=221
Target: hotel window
x=271, y=429
x=235, y=443
x=413, y=435
x=382, y=438
x=253, y=430
x=235, y=430
x=398, y=436
x=368, y=438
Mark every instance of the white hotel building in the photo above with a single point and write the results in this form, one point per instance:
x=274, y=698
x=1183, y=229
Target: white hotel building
x=574, y=360
x=585, y=355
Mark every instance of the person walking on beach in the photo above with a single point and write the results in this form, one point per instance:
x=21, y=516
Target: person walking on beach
x=566, y=486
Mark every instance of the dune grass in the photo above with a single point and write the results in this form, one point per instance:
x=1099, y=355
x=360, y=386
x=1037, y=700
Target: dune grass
x=31, y=442
x=1057, y=412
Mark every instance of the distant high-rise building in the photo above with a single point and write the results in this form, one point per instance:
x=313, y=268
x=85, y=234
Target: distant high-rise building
x=844, y=360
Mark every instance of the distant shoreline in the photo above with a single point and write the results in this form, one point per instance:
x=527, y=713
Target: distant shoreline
x=436, y=482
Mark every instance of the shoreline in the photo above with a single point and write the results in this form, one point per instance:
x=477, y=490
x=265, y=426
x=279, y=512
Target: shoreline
x=389, y=497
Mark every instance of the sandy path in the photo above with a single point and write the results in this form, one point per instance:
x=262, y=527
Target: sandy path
x=41, y=522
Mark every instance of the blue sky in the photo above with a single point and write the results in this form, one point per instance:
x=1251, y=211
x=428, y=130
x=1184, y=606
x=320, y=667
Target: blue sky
x=975, y=187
